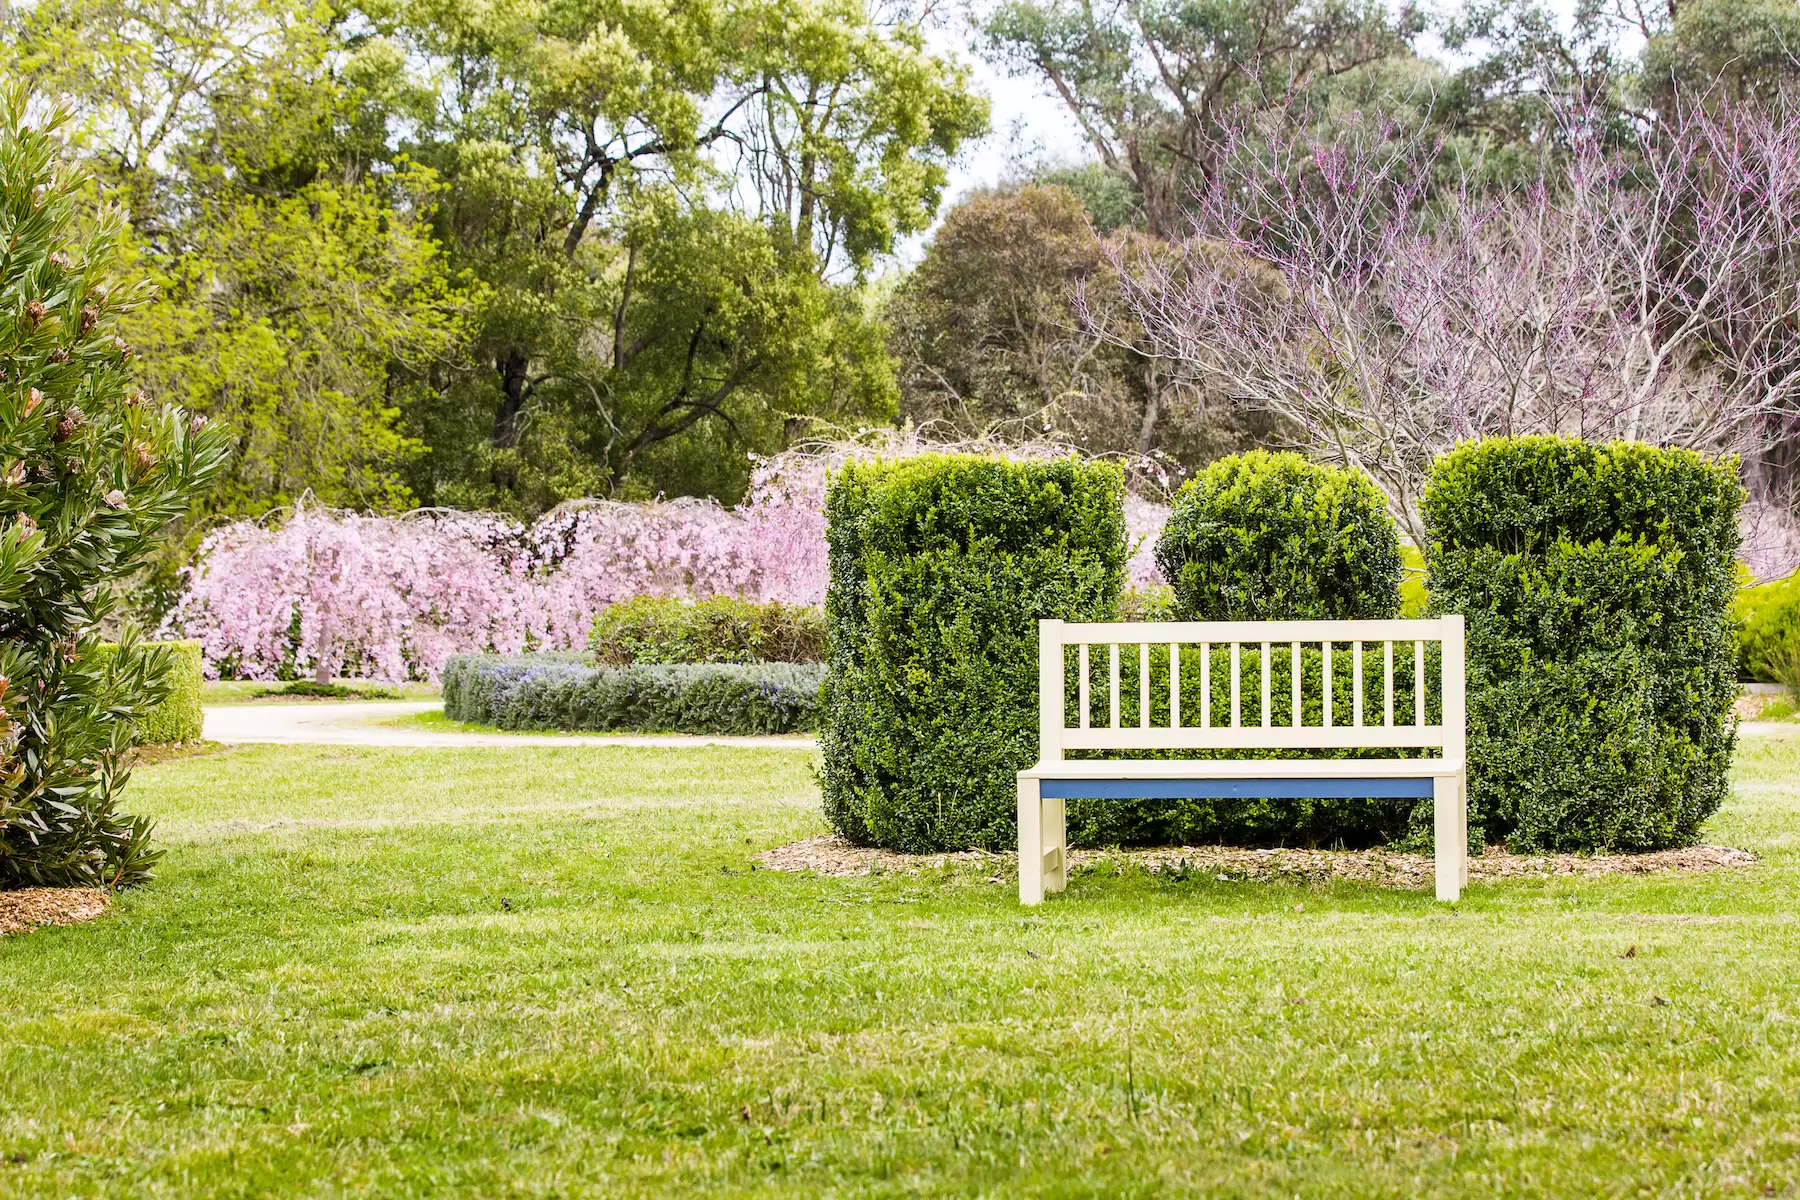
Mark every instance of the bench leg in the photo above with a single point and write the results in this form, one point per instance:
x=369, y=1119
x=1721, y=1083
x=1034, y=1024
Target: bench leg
x=1462, y=808
x=1056, y=844
x=1031, y=843
x=1451, y=843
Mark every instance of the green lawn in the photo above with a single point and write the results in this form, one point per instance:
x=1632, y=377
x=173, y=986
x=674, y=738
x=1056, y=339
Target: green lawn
x=550, y=972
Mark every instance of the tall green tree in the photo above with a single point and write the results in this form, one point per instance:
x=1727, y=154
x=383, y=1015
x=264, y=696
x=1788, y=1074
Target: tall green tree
x=1151, y=82
x=672, y=209
x=300, y=293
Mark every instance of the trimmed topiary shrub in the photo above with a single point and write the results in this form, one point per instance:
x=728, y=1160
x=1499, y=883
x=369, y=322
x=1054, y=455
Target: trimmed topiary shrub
x=1597, y=582
x=1262, y=536
x=559, y=691
x=941, y=567
x=178, y=718
x=1269, y=537
x=672, y=629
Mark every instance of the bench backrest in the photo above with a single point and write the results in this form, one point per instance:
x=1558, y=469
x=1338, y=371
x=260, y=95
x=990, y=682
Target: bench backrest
x=1249, y=721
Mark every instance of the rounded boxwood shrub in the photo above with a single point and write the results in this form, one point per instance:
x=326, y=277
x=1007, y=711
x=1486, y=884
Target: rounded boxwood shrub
x=1268, y=537
x=1264, y=537
x=941, y=567
x=1597, y=582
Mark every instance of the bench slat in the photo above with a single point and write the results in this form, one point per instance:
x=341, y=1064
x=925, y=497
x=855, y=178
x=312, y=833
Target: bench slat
x=1375, y=788
x=1252, y=737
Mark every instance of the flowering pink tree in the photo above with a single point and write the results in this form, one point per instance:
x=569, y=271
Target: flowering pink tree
x=393, y=597
x=1643, y=292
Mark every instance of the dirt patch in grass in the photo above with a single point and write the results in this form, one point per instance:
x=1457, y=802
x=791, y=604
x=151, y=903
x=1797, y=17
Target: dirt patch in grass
x=30, y=908
x=831, y=855
x=152, y=753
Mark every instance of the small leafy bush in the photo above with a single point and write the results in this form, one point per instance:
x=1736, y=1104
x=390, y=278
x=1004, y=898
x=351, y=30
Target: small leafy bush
x=1597, y=582
x=559, y=691
x=1263, y=537
x=941, y=567
x=178, y=717
x=672, y=629
x=1769, y=633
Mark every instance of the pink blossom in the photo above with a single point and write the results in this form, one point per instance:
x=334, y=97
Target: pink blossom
x=323, y=592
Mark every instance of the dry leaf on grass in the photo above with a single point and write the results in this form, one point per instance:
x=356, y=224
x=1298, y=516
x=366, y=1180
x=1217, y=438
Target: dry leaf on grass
x=29, y=908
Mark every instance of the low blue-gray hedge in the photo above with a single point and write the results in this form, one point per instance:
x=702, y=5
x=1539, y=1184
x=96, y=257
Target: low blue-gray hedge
x=560, y=691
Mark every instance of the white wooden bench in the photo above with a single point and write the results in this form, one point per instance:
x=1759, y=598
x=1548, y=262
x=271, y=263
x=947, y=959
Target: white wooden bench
x=1044, y=789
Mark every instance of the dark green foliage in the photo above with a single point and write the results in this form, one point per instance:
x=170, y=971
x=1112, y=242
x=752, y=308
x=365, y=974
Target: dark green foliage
x=178, y=718
x=557, y=691
x=669, y=629
x=310, y=689
x=1281, y=822
x=1769, y=632
x=1267, y=537
x=941, y=567
x=89, y=474
x=1597, y=582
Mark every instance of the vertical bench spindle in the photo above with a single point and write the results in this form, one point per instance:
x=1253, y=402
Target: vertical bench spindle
x=1143, y=685
x=1112, y=692
x=1174, y=686
x=1236, y=710
x=1387, y=684
x=1326, y=648
x=1082, y=684
x=1206, y=685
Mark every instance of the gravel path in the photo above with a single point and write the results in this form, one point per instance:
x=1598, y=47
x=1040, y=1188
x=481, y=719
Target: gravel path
x=360, y=724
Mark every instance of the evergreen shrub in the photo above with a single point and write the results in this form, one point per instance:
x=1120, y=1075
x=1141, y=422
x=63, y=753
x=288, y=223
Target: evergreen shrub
x=1597, y=582
x=178, y=718
x=673, y=629
x=562, y=692
x=1326, y=822
x=90, y=473
x=1769, y=633
x=1266, y=537
x=941, y=567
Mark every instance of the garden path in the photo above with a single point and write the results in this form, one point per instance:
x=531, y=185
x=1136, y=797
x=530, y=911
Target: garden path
x=366, y=723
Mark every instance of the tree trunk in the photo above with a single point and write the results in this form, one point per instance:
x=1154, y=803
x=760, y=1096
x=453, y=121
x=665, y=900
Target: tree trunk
x=512, y=388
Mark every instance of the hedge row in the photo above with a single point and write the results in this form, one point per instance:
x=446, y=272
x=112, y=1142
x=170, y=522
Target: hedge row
x=1597, y=582
x=559, y=691
x=671, y=629
x=178, y=717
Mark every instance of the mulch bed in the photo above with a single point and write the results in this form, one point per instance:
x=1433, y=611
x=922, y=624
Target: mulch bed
x=32, y=908
x=831, y=855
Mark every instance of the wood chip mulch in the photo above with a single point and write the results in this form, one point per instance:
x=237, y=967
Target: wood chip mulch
x=832, y=856
x=31, y=908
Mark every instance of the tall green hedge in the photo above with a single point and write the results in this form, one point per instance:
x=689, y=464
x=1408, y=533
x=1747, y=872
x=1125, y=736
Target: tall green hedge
x=1273, y=537
x=941, y=567
x=1597, y=582
x=177, y=717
